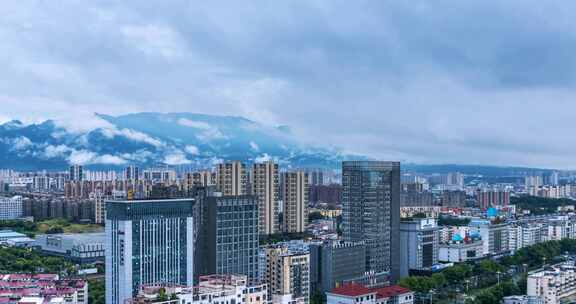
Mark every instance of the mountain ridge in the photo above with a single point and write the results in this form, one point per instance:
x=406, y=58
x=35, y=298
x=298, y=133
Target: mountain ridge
x=182, y=139
x=150, y=138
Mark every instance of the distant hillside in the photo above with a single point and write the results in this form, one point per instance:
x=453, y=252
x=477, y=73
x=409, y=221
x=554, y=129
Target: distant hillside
x=488, y=171
x=176, y=139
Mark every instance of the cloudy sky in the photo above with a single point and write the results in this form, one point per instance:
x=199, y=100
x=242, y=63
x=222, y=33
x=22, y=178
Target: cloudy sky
x=484, y=82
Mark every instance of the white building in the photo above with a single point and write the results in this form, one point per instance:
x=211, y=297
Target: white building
x=11, y=208
x=212, y=289
x=148, y=243
x=522, y=235
x=553, y=284
x=358, y=294
x=524, y=299
x=561, y=228
x=494, y=236
x=461, y=249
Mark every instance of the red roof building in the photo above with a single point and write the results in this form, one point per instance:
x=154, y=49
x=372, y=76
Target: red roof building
x=354, y=293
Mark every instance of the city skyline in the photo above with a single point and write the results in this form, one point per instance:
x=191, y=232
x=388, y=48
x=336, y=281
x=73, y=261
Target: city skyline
x=287, y=152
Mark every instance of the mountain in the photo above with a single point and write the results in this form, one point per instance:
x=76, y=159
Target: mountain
x=483, y=170
x=148, y=139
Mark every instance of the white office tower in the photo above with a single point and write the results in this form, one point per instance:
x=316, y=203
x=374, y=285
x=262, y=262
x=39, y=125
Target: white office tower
x=148, y=243
x=11, y=208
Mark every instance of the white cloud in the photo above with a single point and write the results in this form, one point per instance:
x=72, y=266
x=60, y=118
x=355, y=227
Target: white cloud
x=111, y=132
x=254, y=146
x=56, y=151
x=208, y=132
x=82, y=123
x=194, y=124
x=82, y=157
x=21, y=142
x=85, y=157
x=139, y=136
x=359, y=69
x=263, y=158
x=176, y=158
x=108, y=159
x=192, y=150
x=211, y=134
x=155, y=40
x=141, y=156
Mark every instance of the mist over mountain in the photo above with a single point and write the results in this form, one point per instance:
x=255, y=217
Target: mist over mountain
x=147, y=139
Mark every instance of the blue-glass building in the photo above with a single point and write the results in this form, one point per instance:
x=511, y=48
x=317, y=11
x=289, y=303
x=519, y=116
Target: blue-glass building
x=148, y=242
x=371, y=212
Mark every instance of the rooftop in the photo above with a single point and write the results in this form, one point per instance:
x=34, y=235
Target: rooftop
x=8, y=234
x=391, y=291
x=356, y=290
x=151, y=200
x=352, y=290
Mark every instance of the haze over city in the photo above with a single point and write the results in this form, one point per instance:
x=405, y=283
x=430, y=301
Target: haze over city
x=287, y=152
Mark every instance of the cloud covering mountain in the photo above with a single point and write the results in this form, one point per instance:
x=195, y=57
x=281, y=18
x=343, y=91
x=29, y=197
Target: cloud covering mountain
x=446, y=81
x=175, y=139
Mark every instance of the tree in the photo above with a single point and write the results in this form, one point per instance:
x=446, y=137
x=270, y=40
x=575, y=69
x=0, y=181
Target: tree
x=457, y=273
x=96, y=293
x=162, y=296
x=316, y=215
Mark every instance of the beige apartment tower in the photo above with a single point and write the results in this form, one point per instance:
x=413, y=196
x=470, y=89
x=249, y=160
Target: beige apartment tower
x=200, y=179
x=288, y=273
x=295, y=196
x=232, y=179
x=265, y=185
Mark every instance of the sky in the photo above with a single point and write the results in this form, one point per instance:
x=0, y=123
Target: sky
x=478, y=82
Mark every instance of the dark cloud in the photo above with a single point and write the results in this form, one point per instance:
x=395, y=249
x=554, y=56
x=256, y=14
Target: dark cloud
x=429, y=81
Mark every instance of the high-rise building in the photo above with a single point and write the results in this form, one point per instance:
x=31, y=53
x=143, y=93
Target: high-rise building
x=200, y=179
x=232, y=178
x=494, y=235
x=99, y=207
x=288, y=273
x=76, y=173
x=316, y=177
x=159, y=174
x=371, y=212
x=455, y=179
x=228, y=239
x=11, y=208
x=487, y=198
x=131, y=173
x=265, y=186
x=453, y=198
x=553, y=178
x=419, y=244
x=334, y=263
x=148, y=242
x=532, y=184
x=295, y=191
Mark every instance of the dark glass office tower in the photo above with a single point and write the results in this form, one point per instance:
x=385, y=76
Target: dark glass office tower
x=371, y=212
x=228, y=240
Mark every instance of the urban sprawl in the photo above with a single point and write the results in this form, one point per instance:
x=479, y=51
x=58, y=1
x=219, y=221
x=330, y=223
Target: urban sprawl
x=257, y=233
